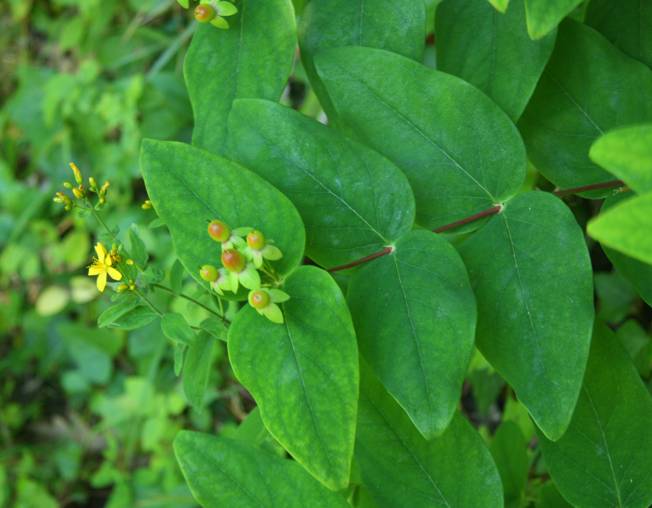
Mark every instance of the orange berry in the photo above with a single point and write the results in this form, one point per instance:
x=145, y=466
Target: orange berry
x=259, y=299
x=219, y=231
x=233, y=260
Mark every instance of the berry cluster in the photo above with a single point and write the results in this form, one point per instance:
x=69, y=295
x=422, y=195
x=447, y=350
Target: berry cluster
x=244, y=258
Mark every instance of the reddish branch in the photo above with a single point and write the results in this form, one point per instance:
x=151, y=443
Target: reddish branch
x=612, y=184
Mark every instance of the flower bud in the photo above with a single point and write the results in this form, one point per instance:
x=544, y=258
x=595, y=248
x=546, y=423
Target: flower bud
x=208, y=273
x=147, y=205
x=67, y=185
x=219, y=231
x=122, y=288
x=259, y=299
x=205, y=13
x=77, y=173
x=105, y=187
x=256, y=240
x=79, y=192
x=92, y=183
x=233, y=260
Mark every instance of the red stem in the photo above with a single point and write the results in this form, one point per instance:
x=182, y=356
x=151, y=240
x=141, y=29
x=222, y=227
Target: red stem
x=471, y=218
x=370, y=257
x=611, y=184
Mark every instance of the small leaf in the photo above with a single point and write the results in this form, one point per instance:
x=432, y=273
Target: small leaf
x=609, y=438
x=353, y=200
x=197, y=368
x=509, y=450
x=183, y=3
x=113, y=313
x=176, y=328
x=411, y=307
x=626, y=228
x=179, y=356
x=531, y=272
x=544, y=15
x=136, y=247
x=234, y=474
x=308, y=364
x=500, y=5
x=226, y=8
x=177, y=273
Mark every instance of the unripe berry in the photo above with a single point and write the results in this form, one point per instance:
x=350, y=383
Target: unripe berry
x=204, y=13
x=208, y=273
x=233, y=260
x=219, y=231
x=255, y=239
x=259, y=299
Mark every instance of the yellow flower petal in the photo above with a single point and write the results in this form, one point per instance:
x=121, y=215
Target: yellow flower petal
x=101, y=251
x=115, y=274
x=95, y=269
x=101, y=281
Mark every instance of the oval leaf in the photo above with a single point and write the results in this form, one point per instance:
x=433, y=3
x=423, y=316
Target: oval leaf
x=353, y=200
x=190, y=187
x=401, y=468
x=605, y=457
x=588, y=88
x=491, y=50
x=304, y=373
x=544, y=15
x=532, y=276
x=415, y=314
x=253, y=58
x=458, y=164
x=225, y=472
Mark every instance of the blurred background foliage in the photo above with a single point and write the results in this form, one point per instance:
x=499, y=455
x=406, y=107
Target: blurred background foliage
x=88, y=414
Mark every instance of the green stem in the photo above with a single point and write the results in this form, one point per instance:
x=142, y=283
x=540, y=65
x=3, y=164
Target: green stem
x=189, y=298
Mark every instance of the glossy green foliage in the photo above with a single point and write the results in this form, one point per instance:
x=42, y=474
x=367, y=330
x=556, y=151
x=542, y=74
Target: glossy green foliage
x=190, y=187
x=352, y=200
x=457, y=164
x=227, y=472
x=196, y=368
x=544, y=15
x=531, y=273
x=401, y=468
x=626, y=24
x=394, y=25
x=509, y=450
x=605, y=457
x=304, y=373
x=253, y=58
x=588, y=87
x=627, y=154
x=410, y=308
x=491, y=50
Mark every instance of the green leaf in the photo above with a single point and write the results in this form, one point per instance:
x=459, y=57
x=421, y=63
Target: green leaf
x=176, y=328
x=500, y=5
x=458, y=164
x=224, y=472
x=353, y=200
x=127, y=313
x=189, y=187
x=253, y=58
x=137, y=249
x=626, y=228
x=394, y=25
x=509, y=450
x=253, y=431
x=588, y=88
x=544, y=15
x=197, y=368
x=626, y=23
x=605, y=457
x=411, y=307
x=491, y=50
x=304, y=373
x=627, y=153
x=183, y=3
x=639, y=274
x=532, y=276
x=401, y=468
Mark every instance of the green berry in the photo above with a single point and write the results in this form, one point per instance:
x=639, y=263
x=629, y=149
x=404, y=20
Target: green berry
x=204, y=13
x=219, y=231
x=259, y=299
x=233, y=260
x=255, y=239
x=208, y=273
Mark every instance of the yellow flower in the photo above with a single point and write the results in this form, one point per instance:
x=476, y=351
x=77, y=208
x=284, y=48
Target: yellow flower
x=102, y=266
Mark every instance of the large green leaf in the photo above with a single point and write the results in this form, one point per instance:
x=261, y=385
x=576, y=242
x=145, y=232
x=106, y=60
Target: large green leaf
x=532, y=275
x=627, y=153
x=230, y=473
x=626, y=23
x=414, y=312
x=491, y=50
x=605, y=457
x=189, y=187
x=544, y=15
x=401, y=468
x=639, y=274
x=395, y=25
x=588, y=88
x=353, y=200
x=253, y=58
x=626, y=227
x=304, y=373
x=458, y=163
